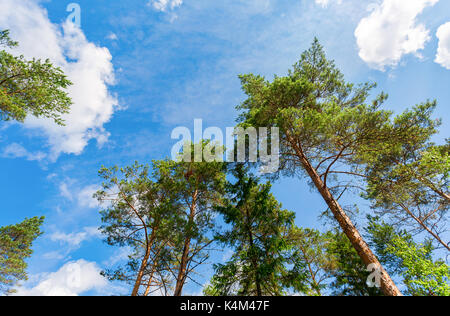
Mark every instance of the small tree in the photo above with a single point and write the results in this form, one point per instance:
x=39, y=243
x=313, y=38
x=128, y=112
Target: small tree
x=30, y=86
x=15, y=247
x=422, y=275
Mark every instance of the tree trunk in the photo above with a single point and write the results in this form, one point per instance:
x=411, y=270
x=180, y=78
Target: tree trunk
x=183, y=265
x=181, y=278
x=147, y=290
x=138, y=282
x=387, y=284
x=253, y=259
x=144, y=264
x=313, y=276
x=149, y=285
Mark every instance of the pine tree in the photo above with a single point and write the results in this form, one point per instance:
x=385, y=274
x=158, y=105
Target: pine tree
x=414, y=262
x=30, y=86
x=258, y=235
x=409, y=182
x=328, y=131
x=164, y=213
x=15, y=247
x=141, y=214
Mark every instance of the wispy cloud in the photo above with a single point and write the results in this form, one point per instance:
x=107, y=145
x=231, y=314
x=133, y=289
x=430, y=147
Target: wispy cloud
x=15, y=150
x=165, y=5
x=325, y=3
x=74, y=240
x=112, y=36
x=83, y=196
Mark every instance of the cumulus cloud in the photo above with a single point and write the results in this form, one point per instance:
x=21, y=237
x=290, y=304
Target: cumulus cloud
x=325, y=3
x=72, y=279
x=392, y=31
x=15, y=150
x=88, y=66
x=443, y=53
x=165, y=5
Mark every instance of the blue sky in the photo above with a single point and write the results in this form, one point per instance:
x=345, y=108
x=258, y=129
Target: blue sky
x=141, y=68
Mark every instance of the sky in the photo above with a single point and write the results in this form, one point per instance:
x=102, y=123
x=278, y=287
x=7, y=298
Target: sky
x=141, y=68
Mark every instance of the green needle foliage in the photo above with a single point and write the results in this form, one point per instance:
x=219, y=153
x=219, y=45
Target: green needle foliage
x=163, y=212
x=30, y=86
x=258, y=237
x=410, y=182
x=326, y=127
x=143, y=215
x=413, y=262
x=349, y=272
x=15, y=247
x=26, y=87
x=312, y=256
x=332, y=134
x=198, y=186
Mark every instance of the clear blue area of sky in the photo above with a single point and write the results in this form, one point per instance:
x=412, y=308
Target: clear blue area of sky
x=172, y=67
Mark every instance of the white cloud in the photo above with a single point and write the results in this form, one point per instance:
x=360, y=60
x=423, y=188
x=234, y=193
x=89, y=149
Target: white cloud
x=74, y=240
x=88, y=66
x=65, y=192
x=85, y=196
x=112, y=36
x=443, y=53
x=53, y=255
x=120, y=255
x=391, y=31
x=72, y=279
x=15, y=150
x=164, y=5
x=325, y=3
